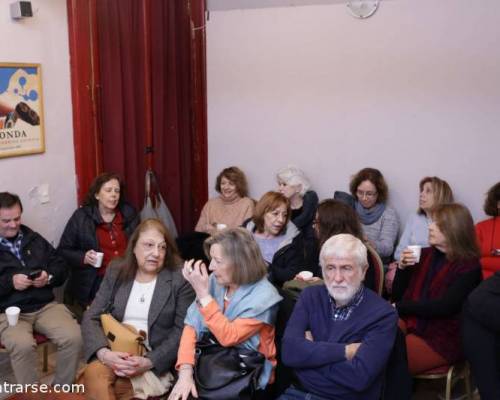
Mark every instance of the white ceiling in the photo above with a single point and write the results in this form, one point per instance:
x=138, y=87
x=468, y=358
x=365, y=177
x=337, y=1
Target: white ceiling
x=214, y=5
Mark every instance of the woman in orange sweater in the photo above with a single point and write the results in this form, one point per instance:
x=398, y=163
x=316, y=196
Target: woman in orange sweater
x=236, y=304
x=488, y=233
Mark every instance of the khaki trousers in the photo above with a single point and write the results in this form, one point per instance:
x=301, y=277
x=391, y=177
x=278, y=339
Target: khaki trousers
x=57, y=323
x=102, y=384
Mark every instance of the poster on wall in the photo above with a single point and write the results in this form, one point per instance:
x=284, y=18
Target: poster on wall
x=21, y=110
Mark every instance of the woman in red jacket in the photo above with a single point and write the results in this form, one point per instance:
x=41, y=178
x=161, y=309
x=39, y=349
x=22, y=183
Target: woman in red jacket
x=429, y=293
x=488, y=233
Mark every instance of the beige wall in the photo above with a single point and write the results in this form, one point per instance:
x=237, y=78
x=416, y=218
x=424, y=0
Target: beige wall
x=43, y=39
x=414, y=91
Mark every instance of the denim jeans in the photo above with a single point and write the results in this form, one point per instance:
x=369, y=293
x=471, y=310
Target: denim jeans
x=293, y=393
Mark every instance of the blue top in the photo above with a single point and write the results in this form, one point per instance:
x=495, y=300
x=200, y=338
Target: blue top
x=257, y=300
x=416, y=232
x=321, y=365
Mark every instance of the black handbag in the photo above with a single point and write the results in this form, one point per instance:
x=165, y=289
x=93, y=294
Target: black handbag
x=226, y=373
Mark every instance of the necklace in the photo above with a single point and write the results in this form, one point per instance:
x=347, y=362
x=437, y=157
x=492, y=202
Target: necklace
x=227, y=297
x=142, y=299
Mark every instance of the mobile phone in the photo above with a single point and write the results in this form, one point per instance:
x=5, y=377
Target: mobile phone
x=34, y=274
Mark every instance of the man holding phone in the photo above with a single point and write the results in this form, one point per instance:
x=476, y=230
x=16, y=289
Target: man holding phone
x=29, y=270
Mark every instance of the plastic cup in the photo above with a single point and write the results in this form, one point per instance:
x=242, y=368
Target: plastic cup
x=416, y=250
x=221, y=226
x=99, y=257
x=305, y=275
x=12, y=314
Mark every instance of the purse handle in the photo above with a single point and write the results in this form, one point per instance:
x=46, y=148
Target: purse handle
x=151, y=183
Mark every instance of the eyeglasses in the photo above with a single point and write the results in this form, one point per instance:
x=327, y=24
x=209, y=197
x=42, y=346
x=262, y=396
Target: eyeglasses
x=360, y=193
x=150, y=246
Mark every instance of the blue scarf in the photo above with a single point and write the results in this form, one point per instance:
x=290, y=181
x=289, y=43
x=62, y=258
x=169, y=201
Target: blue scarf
x=258, y=301
x=369, y=216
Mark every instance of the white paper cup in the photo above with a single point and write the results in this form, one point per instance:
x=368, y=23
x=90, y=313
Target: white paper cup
x=12, y=314
x=98, y=262
x=306, y=275
x=416, y=250
x=221, y=226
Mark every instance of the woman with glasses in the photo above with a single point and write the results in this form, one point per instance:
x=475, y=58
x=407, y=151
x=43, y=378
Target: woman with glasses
x=146, y=291
x=379, y=221
x=488, y=233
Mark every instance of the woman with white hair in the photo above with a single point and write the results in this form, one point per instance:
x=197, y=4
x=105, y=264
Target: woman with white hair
x=294, y=184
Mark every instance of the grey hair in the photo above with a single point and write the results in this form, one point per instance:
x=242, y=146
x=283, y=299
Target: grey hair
x=344, y=245
x=292, y=175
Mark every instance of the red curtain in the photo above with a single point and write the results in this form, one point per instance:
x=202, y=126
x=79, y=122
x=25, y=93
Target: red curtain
x=151, y=96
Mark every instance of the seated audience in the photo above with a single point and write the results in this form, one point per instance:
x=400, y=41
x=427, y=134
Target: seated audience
x=379, y=221
x=293, y=183
x=429, y=293
x=488, y=233
x=279, y=240
x=235, y=304
x=340, y=335
x=481, y=336
x=147, y=291
x=29, y=270
x=231, y=208
x=433, y=192
x=102, y=225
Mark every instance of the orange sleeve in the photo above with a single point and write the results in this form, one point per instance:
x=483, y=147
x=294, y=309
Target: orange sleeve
x=187, y=345
x=228, y=333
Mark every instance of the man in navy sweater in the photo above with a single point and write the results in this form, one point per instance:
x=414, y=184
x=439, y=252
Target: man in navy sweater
x=340, y=335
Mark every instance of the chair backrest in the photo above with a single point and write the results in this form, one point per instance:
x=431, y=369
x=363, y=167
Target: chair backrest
x=378, y=266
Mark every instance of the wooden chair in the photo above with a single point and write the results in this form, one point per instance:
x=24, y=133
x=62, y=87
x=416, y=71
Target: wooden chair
x=452, y=373
x=378, y=265
x=42, y=343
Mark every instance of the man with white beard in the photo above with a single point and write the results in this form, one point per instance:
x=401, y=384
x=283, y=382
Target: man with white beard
x=340, y=335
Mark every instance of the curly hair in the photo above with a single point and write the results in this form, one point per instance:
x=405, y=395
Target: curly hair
x=375, y=177
x=236, y=177
x=492, y=199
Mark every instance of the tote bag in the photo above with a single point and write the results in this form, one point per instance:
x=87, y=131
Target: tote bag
x=154, y=205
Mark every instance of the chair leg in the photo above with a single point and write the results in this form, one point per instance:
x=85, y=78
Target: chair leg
x=448, y=382
x=45, y=350
x=468, y=390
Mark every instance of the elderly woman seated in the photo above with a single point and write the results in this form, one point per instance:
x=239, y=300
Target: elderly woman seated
x=279, y=240
x=231, y=207
x=429, y=291
x=235, y=305
x=294, y=184
x=146, y=291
